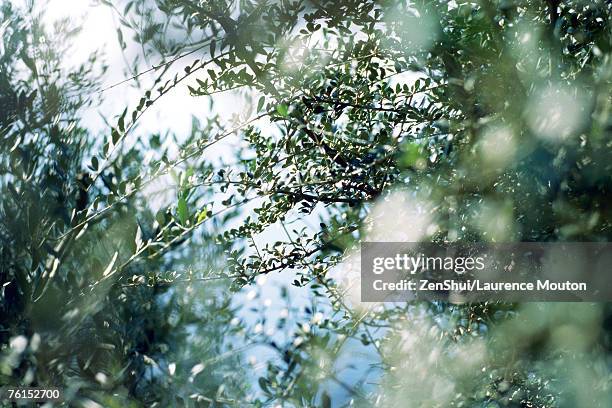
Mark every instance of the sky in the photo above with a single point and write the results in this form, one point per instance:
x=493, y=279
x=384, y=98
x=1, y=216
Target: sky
x=99, y=32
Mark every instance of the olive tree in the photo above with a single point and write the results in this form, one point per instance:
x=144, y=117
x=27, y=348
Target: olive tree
x=67, y=321
x=489, y=120
x=426, y=121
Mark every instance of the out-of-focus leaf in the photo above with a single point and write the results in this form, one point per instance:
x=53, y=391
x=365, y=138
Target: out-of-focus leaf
x=109, y=267
x=282, y=109
x=182, y=211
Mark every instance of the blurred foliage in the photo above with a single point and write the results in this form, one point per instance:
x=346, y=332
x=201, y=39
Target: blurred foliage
x=67, y=319
x=388, y=121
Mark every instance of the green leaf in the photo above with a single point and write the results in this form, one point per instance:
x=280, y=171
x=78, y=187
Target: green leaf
x=109, y=267
x=120, y=39
x=138, y=238
x=412, y=155
x=115, y=135
x=260, y=104
x=283, y=110
x=121, y=123
x=94, y=163
x=181, y=210
x=160, y=217
x=202, y=215
x=263, y=384
x=326, y=400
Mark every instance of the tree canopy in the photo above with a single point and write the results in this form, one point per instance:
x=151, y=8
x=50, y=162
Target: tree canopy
x=462, y=121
